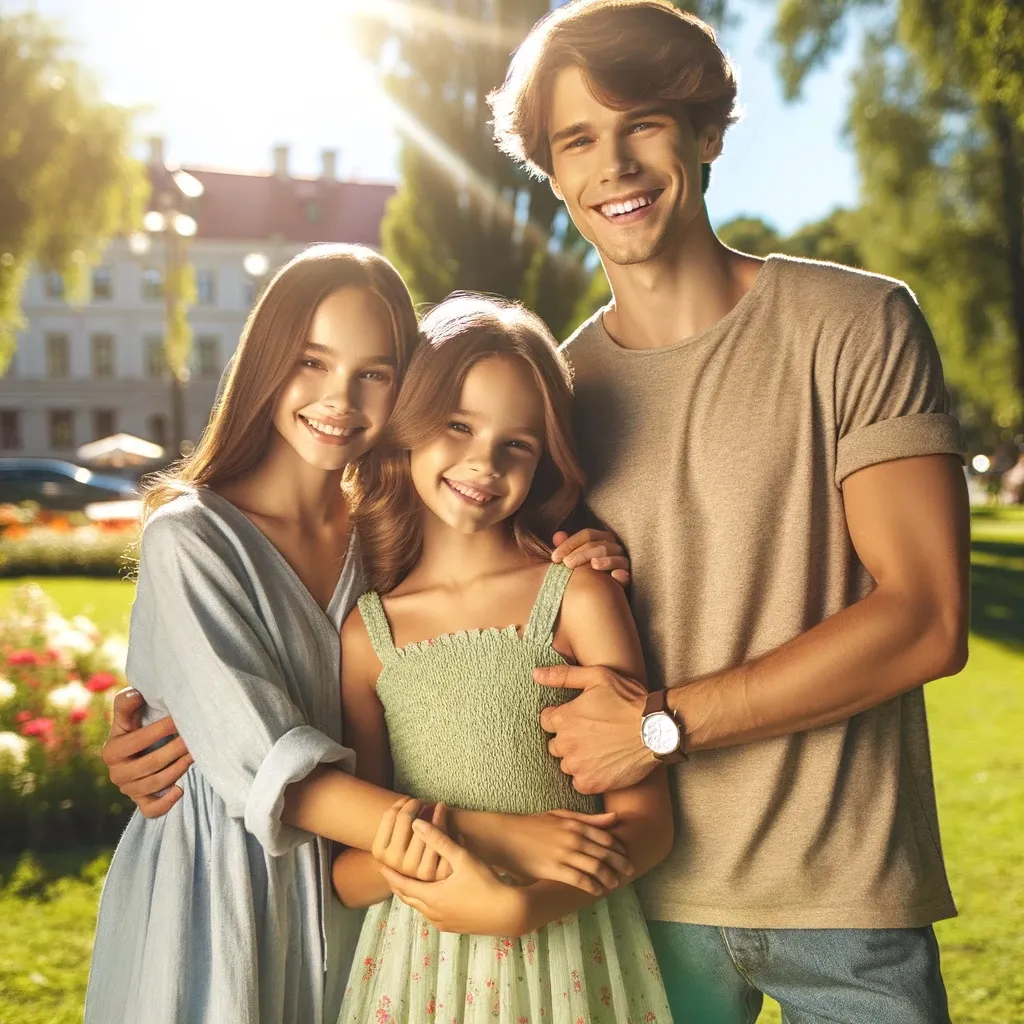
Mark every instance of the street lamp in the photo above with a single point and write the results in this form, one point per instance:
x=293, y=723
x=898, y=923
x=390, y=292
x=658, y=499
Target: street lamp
x=175, y=226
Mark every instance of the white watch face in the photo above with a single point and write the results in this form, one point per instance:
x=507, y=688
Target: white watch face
x=660, y=733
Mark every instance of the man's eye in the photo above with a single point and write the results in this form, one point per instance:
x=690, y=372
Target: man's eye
x=578, y=143
x=641, y=125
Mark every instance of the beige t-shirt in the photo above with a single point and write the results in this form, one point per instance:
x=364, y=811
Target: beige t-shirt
x=719, y=462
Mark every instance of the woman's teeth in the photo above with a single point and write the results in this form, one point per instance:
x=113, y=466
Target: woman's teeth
x=326, y=428
x=469, y=492
x=627, y=206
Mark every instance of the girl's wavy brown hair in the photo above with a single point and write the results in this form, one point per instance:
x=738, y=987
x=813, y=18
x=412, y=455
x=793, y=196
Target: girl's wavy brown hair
x=632, y=52
x=270, y=347
x=461, y=332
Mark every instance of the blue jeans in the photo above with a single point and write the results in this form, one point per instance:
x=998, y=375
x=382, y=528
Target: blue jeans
x=819, y=976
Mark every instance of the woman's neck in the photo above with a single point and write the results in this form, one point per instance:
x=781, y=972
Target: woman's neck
x=285, y=487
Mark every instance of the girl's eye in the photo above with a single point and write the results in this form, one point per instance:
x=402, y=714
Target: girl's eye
x=458, y=427
x=313, y=364
x=375, y=375
x=521, y=446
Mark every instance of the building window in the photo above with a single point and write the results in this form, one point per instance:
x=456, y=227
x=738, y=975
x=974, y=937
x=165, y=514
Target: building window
x=62, y=428
x=158, y=430
x=208, y=357
x=152, y=284
x=102, y=283
x=249, y=294
x=104, y=423
x=206, y=287
x=54, y=285
x=156, y=358
x=58, y=358
x=103, y=355
x=10, y=430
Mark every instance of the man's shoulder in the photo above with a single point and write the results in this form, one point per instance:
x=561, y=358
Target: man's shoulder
x=835, y=287
x=585, y=336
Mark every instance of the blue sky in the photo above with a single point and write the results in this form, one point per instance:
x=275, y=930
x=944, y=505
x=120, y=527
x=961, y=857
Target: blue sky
x=225, y=81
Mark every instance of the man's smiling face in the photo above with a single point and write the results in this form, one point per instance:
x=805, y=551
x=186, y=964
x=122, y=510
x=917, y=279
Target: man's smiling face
x=630, y=179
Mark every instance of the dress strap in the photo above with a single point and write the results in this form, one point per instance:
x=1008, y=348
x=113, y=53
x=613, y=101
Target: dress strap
x=377, y=626
x=541, y=626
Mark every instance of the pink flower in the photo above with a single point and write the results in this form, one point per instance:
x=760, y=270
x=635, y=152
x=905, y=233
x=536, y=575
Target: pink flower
x=79, y=715
x=101, y=681
x=38, y=727
x=24, y=656
x=22, y=717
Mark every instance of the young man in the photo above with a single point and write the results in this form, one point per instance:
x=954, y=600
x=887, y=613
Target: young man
x=772, y=442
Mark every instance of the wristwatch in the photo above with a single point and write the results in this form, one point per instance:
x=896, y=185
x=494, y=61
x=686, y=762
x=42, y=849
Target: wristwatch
x=660, y=729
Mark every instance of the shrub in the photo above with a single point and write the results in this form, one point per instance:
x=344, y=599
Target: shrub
x=57, y=681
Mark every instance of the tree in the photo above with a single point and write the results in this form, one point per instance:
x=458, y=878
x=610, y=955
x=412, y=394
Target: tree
x=937, y=122
x=66, y=181
x=463, y=215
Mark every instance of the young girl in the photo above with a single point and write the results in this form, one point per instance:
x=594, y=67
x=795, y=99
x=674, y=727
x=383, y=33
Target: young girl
x=437, y=689
x=220, y=911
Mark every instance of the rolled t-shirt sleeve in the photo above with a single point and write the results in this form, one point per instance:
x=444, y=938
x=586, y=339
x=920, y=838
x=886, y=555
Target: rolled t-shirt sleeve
x=199, y=650
x=890, y=397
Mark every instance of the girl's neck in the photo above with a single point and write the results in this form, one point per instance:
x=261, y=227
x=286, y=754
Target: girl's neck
x=453, y=559
x=283, y=486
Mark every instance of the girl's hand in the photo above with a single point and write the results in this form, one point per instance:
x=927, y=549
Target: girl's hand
x=397, y=846
x=471, y=901
x=600, y=548
x=559, y=846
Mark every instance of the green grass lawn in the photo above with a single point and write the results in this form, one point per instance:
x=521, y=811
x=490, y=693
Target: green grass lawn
x=977, y=721
x=108, y=601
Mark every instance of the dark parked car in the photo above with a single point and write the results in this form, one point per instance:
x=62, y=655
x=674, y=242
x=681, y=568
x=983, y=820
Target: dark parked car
x=59, y=485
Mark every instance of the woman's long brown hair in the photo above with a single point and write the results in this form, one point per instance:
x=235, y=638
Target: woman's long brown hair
x=462, y=331
x=270, y=347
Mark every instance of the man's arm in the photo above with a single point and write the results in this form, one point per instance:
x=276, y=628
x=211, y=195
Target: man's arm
x=909, y=523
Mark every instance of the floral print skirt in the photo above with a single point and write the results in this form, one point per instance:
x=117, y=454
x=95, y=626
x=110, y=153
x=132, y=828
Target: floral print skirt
x=595, y=966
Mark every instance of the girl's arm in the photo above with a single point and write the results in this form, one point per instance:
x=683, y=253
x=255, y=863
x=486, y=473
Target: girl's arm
x=597, y=623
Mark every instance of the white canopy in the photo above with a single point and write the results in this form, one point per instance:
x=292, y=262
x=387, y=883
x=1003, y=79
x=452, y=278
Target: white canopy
x=120, y=450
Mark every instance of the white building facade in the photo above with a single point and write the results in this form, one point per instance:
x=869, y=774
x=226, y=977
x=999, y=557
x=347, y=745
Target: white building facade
x=82, y=372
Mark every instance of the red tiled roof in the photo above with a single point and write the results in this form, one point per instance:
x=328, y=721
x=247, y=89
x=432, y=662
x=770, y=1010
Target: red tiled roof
x=245, y=207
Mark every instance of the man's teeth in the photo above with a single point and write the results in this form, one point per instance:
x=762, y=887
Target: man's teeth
x=326, y=428
x=469, y=492
x=627, y=206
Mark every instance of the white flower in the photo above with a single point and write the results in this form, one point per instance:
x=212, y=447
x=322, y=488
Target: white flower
x=115, y=651
x=14, y=745
x=71, y=696
x=72, y=641
x=85, y=625
x=54, y=625
x=7, y=690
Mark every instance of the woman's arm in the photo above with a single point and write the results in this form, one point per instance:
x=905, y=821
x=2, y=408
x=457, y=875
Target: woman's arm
x=598, y=626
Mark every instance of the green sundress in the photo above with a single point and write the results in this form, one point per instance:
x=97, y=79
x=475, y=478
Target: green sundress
x=462, y=715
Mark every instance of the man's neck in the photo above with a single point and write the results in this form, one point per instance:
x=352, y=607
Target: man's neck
x=681, y=293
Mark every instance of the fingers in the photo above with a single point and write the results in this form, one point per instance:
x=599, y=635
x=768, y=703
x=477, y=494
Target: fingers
x=431, y=859
x=559, y=538
x=588, y=553
x=157, y=806
x=405, y=888
x=572, y=677
x=444, y=845
x=621, y=576
x=135, y=769
x=159, y=781
x=581, y=539
x=385, y=828
x=127, y=704
x=128, y=744
x=596, y=868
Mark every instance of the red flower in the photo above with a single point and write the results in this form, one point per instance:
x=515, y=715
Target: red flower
x=79, y=715
x=22, y=716
x=101, y=681
x=24, y=656
x=38, y=727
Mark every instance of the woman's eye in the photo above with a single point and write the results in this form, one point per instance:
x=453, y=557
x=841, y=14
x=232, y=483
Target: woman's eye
x=313, y=364
x=460, y=428
x=375, y=375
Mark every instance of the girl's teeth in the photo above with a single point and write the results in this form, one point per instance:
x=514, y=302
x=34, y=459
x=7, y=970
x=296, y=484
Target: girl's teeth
x=326, y=428
x=469, y=492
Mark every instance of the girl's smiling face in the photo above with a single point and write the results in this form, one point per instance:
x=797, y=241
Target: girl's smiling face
x=340, y=394
x=478, y=471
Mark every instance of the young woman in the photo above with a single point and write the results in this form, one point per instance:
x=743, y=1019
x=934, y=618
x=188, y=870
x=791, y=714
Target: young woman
x=221, y=911
x=477, y=469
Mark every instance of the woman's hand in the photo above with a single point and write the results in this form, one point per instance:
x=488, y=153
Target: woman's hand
x=471, y=901
x=398, y=846
x=600, y=548
x=148, y=779
x=556, y=846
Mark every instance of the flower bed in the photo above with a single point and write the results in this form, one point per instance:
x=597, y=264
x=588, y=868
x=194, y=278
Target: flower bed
x=57, y=680
x=34, y=542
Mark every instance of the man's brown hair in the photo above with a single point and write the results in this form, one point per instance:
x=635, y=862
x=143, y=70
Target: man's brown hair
x=632, y=52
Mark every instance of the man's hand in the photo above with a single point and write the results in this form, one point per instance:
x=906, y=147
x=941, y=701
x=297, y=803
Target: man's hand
x=398, y=846
x=597, y=734
x=600, y=549
x=471, y=901
x=144, y=778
